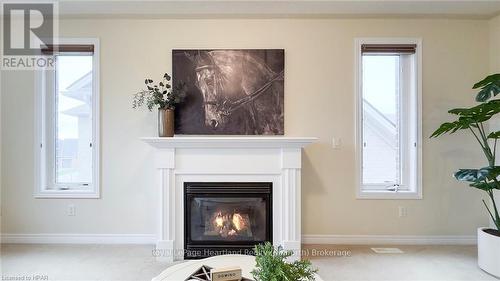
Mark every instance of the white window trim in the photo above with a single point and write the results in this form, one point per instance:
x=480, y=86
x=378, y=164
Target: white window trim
x=40, y=161
x=383, y=194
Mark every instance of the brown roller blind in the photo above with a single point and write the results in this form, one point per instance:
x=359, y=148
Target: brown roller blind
x=68, y=48
x=389, y=48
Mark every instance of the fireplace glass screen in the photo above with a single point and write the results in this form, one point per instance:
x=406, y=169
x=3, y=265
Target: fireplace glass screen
x=226, y=217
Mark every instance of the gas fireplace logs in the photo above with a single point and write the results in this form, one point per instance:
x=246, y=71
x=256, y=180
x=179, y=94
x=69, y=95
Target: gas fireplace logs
x=227, y=225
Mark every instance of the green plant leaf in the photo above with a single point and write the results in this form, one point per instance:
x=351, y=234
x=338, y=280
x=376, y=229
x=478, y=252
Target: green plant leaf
x=490, y=87
x=485, y=178
x=488, y=91
x=459, y=111
x=470, y=175
x=494, y=135
x=469, y=117
x=489, y=173
x=486, y=186
x=271, y=265
x=483, y=95
x=443, y=129
x=161, y=95
x=478, y=175
x=452, y=127
x=488, y=80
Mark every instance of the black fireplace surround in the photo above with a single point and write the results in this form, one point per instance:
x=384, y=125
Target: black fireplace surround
x=226, y=217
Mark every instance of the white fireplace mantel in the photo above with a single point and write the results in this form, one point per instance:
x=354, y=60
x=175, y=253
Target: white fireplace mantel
x=229, y=142
x=183, y=159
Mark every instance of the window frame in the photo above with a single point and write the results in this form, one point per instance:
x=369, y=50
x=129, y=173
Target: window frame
x=40, y=145
x=412, y=192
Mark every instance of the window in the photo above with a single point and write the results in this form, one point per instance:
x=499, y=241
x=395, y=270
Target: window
x=388, y=118
x=67, y=121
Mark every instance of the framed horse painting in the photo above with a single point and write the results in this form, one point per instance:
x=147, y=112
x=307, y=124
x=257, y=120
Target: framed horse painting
x=230, y=92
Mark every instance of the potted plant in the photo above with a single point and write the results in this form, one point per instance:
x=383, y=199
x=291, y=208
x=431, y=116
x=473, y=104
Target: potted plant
x=486, y=178
x=271, y=265
x=165, y=98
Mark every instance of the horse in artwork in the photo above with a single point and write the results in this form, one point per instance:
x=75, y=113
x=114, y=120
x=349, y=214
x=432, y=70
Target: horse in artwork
x=241, y=93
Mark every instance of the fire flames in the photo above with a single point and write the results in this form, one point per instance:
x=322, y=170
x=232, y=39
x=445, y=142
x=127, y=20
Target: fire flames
x=238, y=222
x=230, y=224
x=219, y=220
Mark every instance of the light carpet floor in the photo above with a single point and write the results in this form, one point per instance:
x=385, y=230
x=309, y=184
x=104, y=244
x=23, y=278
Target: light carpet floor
x=136, y=262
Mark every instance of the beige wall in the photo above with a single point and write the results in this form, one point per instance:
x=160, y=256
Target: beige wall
x=495, y=44
x=319, y=101
x=495, y=68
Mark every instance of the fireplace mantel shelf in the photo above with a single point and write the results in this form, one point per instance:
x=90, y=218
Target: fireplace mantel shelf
x=229, y=142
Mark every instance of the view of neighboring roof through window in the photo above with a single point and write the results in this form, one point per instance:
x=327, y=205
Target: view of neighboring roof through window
x=74, y=119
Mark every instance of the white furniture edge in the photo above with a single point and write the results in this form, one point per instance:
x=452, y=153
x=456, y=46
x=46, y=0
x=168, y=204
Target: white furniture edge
x=228, y=142
x=180, y=271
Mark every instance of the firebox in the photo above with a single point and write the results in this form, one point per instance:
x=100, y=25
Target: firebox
x=226, y=218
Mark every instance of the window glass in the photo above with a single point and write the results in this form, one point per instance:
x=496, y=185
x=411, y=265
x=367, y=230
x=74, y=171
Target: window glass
x=381, y=130
x=73, y=119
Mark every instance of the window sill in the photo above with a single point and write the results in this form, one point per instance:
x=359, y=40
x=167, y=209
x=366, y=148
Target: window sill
x=75, y=194
x=385, y=195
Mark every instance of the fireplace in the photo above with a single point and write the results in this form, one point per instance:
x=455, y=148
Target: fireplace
x=226, y=217
x=195, y=159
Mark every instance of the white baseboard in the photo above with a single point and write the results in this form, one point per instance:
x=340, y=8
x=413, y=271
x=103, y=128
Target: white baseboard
x=390, y=239
x=54, y=238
